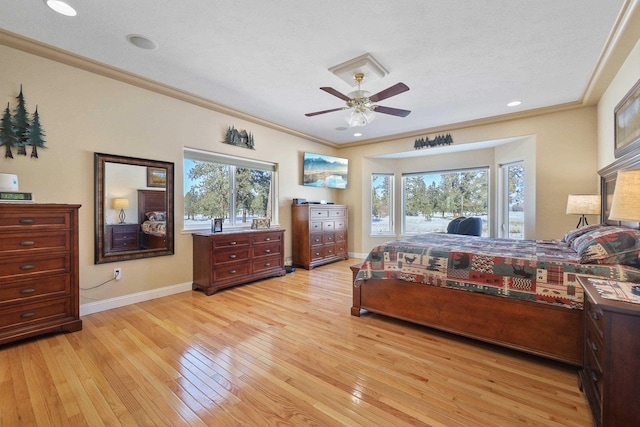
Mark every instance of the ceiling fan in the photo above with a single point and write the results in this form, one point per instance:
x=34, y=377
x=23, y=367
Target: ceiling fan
x=363, y=104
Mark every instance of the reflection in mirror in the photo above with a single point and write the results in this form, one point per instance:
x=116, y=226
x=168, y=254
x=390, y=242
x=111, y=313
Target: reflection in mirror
x=133, y=208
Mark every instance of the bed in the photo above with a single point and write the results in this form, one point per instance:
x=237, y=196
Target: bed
x=152, y=219
x=522, y=295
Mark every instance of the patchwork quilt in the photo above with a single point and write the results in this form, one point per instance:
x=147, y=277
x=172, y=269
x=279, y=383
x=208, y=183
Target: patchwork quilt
x=155, y=228
x=536, y=270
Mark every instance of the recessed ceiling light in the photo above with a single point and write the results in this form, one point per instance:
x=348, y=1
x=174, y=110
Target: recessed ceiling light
x=514, y=103
x=63, y=8
x=342, y=128
x=357, y=134
x=142, y=42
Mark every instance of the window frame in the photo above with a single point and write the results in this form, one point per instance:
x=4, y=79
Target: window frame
x=487, y=169
x=391, y=185
x=233, y=162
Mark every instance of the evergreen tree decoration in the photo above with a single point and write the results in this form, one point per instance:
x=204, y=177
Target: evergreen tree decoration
x=21, y=124
x=36, y=135
x=8, y=136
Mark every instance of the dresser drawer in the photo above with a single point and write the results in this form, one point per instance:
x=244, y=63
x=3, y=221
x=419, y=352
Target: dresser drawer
x=268, y=249
x=231, y=255
x=33, y=288
x=315, y=239
x=231, y=241
x=266, y=238
x=267, y=263
x=329, y=250
x=11, y=243
x=341, y=236
x=317, y=252
x=595, y=316
x=41, y=220
x=230, y=271
x=34, y=265
x=315, y=226
x=328, y=238
x=328, y=225
x=24, y=315
x=595, y=346
x=338, y=213
x=341, y=224
x=341, y=248
x=319, y=213
x=594, y=376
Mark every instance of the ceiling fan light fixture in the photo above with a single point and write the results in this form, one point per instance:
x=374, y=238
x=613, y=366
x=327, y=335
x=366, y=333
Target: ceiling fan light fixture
x=360, y=118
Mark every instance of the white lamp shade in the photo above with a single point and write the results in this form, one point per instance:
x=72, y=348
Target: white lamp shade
x=625, y=205
x=120, y=203
x=583, y=204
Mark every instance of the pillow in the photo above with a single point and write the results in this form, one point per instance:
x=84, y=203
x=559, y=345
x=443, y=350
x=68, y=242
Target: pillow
x=608, y=245
x=156, y=216
x=452, y=228
x=571, y=235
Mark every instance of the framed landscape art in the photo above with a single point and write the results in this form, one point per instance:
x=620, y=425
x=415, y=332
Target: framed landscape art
x=627, y=122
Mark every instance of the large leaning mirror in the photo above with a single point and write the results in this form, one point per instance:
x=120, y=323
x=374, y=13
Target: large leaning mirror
x=133, y=208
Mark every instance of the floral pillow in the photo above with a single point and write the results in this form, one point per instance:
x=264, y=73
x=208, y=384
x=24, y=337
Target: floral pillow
x=608, y=245
x=573, y=234
x=156, y=216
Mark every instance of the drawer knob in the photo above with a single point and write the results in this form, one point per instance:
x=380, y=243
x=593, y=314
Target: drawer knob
x=27, y=291
x=594, y=377
x=27, y=267
x=27, y=243
x=267, y=239
x=233, y=256
x=594, y=315
x=317, y=240
x=267, y=251
x=27, y=315
x=594, y=346
x=233, y=243
x=233, y=271
x=267, y=264
x=27, y=221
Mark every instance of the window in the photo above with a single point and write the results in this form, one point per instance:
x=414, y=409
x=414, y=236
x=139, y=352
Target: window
x=232, y=188
x=512, y=203
x=381, y=204
x=431, y=199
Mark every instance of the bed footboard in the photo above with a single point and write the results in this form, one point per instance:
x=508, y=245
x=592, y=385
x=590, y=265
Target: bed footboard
x=536, y=328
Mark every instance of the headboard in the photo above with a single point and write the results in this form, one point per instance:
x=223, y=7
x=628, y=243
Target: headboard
x=608, y=177
x=150, y=201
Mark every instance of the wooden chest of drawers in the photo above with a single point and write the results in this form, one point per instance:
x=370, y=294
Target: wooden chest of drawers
x=221, y=260
x=38, y=270
x=610, y=377
x=122, y=237
x=319, y=234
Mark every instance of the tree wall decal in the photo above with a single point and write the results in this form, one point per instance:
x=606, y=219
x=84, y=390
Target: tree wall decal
x=8, y=137
x=20, y=131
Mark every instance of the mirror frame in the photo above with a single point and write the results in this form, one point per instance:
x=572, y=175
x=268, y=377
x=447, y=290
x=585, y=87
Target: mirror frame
x=100, y=160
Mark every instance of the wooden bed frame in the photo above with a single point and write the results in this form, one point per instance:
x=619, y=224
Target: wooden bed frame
x=151, y=201
x=544, y=330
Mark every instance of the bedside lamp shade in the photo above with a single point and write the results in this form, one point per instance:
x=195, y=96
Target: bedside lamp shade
x=122, y=204
x=625, y=205
x=583, y=204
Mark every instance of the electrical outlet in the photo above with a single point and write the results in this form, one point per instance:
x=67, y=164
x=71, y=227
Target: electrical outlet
x=117, y=273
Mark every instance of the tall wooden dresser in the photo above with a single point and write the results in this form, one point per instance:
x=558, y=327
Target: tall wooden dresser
x=221, y=260
x=610, y=377
x=319, y=234
x=39, y=276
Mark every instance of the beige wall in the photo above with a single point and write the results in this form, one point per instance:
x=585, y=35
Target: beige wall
x=83, y=113
x=624, y=80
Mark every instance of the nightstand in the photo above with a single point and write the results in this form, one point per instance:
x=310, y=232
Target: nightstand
x=122, y=237
x=610, y=377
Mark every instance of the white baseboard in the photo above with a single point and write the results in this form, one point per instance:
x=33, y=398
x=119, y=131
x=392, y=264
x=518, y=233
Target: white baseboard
x=108, y=304
x=355, y=255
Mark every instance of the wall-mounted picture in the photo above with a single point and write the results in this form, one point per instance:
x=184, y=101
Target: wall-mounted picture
x=156, y=177
x=320, y=170
x=627, y=122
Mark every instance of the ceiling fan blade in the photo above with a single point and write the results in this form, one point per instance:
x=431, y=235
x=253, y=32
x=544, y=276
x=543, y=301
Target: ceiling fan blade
x=334, y=92
x=393, y=111
x=325, y=111
x=389, y=92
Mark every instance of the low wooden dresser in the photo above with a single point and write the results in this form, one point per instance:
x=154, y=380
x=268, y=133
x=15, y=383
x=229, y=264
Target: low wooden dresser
x=39, y=276
x=319, y=234
x=610, y=377
x=221, y=260
x=122, y=237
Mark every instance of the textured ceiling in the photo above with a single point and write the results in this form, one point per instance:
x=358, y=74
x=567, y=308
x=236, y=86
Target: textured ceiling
x=463, y=60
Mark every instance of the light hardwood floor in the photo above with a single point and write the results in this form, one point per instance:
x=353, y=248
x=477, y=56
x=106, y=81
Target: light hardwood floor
x=282, y=351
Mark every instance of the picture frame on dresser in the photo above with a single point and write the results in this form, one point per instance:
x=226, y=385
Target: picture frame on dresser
x=626, y=117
